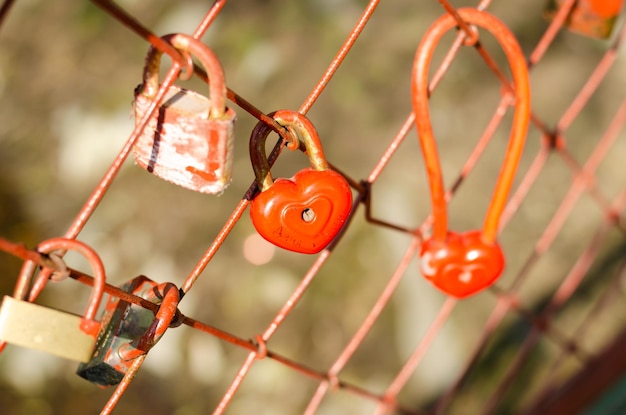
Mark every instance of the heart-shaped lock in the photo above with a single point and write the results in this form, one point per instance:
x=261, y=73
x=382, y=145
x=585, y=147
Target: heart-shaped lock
x=305, y=213
x=462, y=264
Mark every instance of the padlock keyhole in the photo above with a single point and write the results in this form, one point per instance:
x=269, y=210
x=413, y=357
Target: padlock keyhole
x=308, y=215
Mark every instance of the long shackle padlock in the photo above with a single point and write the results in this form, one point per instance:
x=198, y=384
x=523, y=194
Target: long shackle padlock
x=30, y=325
x=305, y=213
x=189, y=140
x=461, y=264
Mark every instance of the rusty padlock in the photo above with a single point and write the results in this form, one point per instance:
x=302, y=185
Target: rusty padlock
x=189, y=140
x=593, y=18
x=129, y=330
x=30, y=325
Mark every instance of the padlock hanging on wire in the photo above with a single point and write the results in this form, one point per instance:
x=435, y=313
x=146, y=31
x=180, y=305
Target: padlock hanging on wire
x=189, y=140
x=593, y=18
x=129, y=330
x=305, y=213
x=463, y=263
x=33, y=326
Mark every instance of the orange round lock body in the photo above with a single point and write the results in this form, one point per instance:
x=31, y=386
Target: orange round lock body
x=189, y=140
x=305, y=213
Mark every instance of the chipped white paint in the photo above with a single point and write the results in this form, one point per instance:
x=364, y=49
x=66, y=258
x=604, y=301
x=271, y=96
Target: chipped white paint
x=183, y=146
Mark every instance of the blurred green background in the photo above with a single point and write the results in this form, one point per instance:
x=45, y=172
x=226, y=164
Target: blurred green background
x=67, y=74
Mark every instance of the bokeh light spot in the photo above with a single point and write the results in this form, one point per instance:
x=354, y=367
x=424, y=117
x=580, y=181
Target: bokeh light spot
x=257, y=250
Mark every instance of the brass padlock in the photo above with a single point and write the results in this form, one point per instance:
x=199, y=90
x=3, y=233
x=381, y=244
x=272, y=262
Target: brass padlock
x=189, y=140
x=129, y=330
x=30, y=325
x=593, y=18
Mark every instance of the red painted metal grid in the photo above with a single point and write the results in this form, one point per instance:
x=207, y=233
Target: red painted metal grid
x=553, y=145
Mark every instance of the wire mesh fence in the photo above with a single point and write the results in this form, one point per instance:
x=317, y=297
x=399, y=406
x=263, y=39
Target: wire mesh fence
x=354, y=328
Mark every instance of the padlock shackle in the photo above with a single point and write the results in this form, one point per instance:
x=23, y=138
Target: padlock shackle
x=168, y=296
x=420, y=95
x=64, y=244
x=302, y=129
x=188, y=45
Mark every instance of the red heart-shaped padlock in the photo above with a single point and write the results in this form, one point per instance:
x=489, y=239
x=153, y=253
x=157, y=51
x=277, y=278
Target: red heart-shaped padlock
x=303, y=213
x=462, y=265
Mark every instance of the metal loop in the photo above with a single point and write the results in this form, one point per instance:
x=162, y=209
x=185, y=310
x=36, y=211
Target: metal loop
x=187, y=71
x=188, y=46
x=95, y=262
x=63, y=272
x=261, y=352
x=521, y=117
x=305, y=134
x=168, y=295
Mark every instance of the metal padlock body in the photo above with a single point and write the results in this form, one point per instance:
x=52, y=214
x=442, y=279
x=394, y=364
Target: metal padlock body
x=182, y=147
x=45, y=329
x=53, y=331
x=190, y=139
x=122, y=323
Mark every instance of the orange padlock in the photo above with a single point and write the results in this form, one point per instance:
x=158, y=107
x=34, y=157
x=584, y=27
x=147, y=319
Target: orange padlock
x=594, y=18
x=26, y=324
x=189, y=140
x=305, y=213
